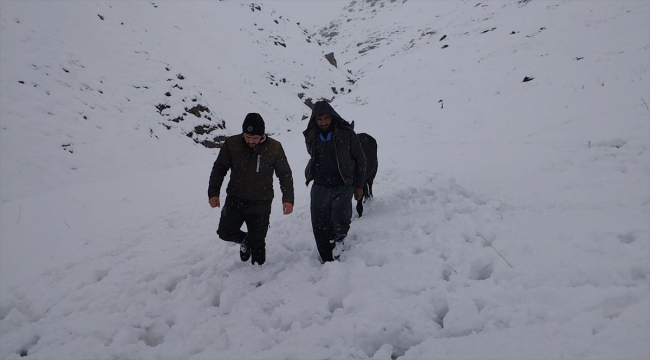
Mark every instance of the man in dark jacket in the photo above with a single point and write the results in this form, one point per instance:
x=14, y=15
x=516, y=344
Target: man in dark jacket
x=252, y=158
x=337, y=167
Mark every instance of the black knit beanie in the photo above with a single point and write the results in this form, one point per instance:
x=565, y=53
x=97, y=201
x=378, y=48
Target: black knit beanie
x=253, y=124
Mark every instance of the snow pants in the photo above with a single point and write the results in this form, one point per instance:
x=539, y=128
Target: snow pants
x=331, y=214
x=256, y=215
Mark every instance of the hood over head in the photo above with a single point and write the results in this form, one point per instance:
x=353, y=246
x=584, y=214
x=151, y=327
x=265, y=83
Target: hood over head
x=323, y=107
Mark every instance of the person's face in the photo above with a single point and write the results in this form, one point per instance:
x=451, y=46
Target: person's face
x=252, y=140
x=323, y=121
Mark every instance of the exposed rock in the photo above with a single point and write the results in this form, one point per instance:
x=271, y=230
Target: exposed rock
x=196, y=110
x=332, y=60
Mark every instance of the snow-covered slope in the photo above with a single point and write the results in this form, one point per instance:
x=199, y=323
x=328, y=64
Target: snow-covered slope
x=76, y=78
x=510, y=218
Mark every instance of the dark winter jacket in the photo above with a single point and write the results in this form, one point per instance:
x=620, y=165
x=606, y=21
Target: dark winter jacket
x=251, y=176
x=350, y=158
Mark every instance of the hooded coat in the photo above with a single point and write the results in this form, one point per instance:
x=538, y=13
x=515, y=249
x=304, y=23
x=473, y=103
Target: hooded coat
x=350, y=159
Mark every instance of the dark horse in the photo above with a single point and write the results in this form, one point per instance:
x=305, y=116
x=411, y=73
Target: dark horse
x=369, y=145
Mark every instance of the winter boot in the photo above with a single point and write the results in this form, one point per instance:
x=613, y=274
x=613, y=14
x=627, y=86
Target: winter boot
x=259, y=256
x=337, y=247
x=244, y=249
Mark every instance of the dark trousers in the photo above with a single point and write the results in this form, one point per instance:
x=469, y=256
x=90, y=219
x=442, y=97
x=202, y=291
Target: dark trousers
x=331, y=214
x=256, y=215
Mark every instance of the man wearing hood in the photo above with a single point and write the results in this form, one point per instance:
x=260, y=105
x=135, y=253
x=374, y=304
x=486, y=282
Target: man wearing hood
x=252, y=158
x=337, y=167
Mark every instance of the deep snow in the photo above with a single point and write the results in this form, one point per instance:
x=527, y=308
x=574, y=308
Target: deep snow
x=107, y=242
